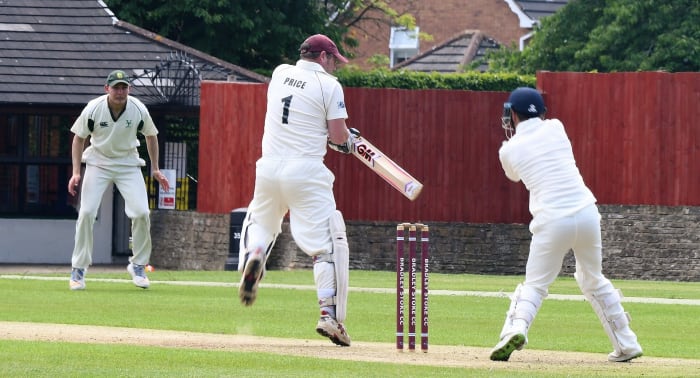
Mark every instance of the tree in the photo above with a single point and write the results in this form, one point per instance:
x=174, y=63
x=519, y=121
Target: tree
x=612, y=36
x=645, y=35
x=249, y=33
x=256, y=34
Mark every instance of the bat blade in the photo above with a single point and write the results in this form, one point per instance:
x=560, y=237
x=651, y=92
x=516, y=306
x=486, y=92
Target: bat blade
x=386, y=168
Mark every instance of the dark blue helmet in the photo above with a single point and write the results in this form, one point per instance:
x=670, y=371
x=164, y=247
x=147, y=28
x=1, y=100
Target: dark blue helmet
x=527, y=101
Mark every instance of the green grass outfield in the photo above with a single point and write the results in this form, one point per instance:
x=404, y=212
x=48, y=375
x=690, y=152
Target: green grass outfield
x=465, y=311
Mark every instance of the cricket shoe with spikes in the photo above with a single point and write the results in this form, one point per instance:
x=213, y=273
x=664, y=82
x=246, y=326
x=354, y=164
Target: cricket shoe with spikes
x=77, y=279
x=330, y=328
x=138, y=275
x=625, y=356
x=252, y=274
x=507, y=345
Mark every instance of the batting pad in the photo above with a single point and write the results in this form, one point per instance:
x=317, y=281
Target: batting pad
x=341, y=260
x=252, y=231
x=242, y=243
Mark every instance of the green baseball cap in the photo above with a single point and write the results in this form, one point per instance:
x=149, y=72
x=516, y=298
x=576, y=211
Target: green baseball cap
x=116, y=77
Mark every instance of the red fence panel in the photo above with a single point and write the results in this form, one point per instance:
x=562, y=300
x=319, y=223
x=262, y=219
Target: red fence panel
x=448, y=140
x=634, y=134
x=230, y=131
x=634, y=138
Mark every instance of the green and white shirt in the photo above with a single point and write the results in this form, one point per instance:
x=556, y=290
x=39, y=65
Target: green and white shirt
x=113, y=142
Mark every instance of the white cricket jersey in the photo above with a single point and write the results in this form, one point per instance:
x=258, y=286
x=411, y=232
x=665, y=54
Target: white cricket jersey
x=300, y=99
x=113, y=142
x=540, y=155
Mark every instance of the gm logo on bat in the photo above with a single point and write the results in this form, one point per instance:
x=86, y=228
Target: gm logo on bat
x=367, y=153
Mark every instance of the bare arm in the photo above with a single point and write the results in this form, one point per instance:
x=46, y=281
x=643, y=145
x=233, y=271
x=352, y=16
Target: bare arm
x=153, y=153
x=340, y=138
x=76, y=156
x=337, y=131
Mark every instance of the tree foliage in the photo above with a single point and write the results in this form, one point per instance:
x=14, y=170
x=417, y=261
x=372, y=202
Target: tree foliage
x=611, y=36
x=249, y=33
x=405, y=79
x=255, y=34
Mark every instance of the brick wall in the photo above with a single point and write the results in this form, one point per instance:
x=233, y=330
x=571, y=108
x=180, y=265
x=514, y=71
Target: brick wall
x=442, y=19
x=639, y=242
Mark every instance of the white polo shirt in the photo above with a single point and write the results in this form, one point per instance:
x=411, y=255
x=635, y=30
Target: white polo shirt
x=540, y=155
x=113, y=142
x=300, y=99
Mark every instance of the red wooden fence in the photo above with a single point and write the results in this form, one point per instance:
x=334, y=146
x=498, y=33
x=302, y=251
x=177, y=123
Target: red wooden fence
x=230, y=132
x=632, y=135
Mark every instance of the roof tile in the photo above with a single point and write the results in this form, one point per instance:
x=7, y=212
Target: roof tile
x=61, y=51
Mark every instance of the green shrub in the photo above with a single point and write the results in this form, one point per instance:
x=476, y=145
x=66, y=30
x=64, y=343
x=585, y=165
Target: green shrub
x=404, y=79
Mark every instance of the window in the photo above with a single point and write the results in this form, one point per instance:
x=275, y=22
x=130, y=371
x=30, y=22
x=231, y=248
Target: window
x=35, y=166
x=403, y=44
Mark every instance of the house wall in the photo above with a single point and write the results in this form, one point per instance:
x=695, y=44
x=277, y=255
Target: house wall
x=442, y=19
x=50, y=241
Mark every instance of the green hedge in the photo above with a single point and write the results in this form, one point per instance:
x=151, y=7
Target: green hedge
x=403, y=79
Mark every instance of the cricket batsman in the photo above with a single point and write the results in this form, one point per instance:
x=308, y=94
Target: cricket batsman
x=305, y=115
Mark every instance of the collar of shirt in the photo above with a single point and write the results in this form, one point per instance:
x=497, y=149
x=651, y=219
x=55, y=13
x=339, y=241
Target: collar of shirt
x=528, y=125
x=308, y=65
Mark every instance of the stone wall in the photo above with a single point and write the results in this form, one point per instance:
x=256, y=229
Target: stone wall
x=639, y=242
x=186, y=240
x=651, y=242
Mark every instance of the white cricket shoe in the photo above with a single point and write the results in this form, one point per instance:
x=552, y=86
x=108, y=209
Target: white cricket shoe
x=507, y=345
x=625, y=356
x=77, y=279
x=333, y=330
x=252, y=274
x=138, y=275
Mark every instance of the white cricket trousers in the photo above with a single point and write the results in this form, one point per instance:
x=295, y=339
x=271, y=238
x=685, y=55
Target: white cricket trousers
x=304, y=186
x=550, y=243
x=129, y=180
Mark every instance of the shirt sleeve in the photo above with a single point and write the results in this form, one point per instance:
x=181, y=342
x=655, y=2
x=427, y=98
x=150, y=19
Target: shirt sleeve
x=505, y=163
x=336, y=107
x=80, y=126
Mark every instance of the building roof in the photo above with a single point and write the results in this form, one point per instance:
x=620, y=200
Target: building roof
x=452, y=54
x=61, y=51
x=538, y=9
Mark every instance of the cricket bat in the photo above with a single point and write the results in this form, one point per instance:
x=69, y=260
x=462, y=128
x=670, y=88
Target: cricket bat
x=386, y=168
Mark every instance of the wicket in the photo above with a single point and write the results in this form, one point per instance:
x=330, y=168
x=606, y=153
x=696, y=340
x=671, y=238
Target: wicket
x=413, y=228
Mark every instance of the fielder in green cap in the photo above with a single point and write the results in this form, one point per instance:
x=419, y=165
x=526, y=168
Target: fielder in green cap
x=113, y=121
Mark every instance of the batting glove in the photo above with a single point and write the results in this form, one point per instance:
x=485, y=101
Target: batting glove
x=346, y=148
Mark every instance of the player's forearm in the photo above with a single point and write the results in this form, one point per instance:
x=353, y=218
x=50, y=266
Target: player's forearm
x=337, y=131
x=77, y=153
x=153, y=152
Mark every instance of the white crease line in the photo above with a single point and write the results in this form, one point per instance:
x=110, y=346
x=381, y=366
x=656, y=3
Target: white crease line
x=489, y=294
